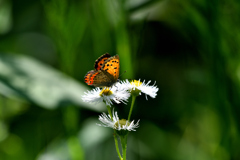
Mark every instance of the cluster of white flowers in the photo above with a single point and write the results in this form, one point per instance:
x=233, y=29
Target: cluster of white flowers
x=120, y=92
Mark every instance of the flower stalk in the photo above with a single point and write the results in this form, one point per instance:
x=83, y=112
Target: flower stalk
x=109, y=111
x=123, y=139
x=114, y=134
x=116, y=144
x=130, y=112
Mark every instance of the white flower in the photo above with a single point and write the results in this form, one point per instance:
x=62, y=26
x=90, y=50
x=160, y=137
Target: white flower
x=136, y=87
x=116, y=94
x=117, y=124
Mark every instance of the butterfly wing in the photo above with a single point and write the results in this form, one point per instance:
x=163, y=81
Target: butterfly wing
x=89, y=77
x=111, y=67
x=101, y=79
x=100, y=61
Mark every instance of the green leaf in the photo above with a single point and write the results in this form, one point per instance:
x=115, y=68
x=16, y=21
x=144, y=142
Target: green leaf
x=25, y=78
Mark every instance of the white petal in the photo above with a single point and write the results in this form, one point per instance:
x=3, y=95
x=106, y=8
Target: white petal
x=106, y=121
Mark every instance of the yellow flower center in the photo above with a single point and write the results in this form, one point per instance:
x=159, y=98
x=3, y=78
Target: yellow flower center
x=106, y=92
x=136, y=83
x=135, y=91
x=121, y=123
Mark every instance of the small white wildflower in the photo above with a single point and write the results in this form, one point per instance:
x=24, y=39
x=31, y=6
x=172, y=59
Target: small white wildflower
x=136, y=87
x=117, y=124
x=115, y=94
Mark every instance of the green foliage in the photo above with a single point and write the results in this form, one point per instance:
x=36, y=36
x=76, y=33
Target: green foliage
x=190, y=48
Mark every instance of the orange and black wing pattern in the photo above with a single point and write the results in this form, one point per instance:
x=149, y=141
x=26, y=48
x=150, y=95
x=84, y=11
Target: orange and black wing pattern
x=89, y=77
x=111, y=66
x=100, y=61
x=98, y=79
x=106, y=71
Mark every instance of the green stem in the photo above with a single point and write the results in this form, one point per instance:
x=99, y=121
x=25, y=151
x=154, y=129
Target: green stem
x=109, y=111
x=115, y=133
x=130, y=112
x=116, y=144
x=124, y=146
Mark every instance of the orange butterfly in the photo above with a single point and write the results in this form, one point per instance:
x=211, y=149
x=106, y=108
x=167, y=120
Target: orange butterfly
x=106, y=72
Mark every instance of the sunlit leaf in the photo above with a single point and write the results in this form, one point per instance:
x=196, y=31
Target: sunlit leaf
x=26, y=78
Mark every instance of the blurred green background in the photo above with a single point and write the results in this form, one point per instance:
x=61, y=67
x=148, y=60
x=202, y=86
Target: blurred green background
x=190, y=48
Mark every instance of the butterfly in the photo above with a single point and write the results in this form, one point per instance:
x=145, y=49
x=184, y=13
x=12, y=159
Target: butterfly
x=106, y=72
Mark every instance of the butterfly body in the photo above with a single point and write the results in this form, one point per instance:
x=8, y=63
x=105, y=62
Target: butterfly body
x=106, y=72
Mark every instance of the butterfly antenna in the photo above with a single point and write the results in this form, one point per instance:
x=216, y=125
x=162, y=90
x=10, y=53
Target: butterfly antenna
x=122, y=73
